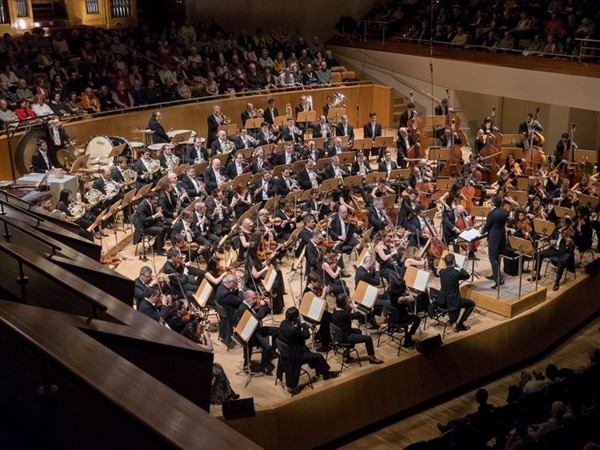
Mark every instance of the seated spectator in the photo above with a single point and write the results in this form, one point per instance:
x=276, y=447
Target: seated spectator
x=43, y=60
x=23, y=111
x=138, y=94
x=169, y=90
x=183, y=90
x=23, y=92
x=105, y=97
x=324, y=73
x=8, y=95
x=40, y=108
x=58, y=106
x=265, y=60
x=6, y=115
x=121, y=96
x=74, y=105
x=9, y=76
x=555, y=421
x=536, y=383
x=481, y=397
x=89, y=101
x=211, y=88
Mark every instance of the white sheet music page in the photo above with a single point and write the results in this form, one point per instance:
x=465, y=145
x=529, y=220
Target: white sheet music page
x=370, y=296
x=314, y=312
x=470, y=235
x=421, y=280
x=251, y=325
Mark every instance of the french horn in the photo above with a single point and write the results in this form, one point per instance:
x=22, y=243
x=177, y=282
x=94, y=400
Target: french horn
x=260, y=112
x=338, y=100
x=93, y=197
x=153, y=166
x=111, y=189
x=129, y=176
x=76, y=210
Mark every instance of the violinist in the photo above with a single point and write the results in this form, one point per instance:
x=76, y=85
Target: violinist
x=315, y=285
x=536, y=209
x=313, y=253
x=407, y=208
x=561, y=248
x=182, y=275
x=520, y=225
x=285, y=220
x=584, y=233
x=537, y=189
x=342, y=232
x=565, y=197
x=378, y=217
x=552, y=179
x=512, y=167
x=404, y=142
x=411, y=258
x=388, y=254
x=146, y=280
x=332, y=272
x=585, y=187
x=255, y=270
x=152, y=307
x=504, y=181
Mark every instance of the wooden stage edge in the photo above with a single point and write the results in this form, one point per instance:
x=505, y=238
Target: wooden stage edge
x=354, y=401
x=509, y=307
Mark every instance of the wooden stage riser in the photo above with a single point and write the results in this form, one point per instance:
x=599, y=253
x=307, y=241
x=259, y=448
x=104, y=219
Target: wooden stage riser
x=354, y=401
x=485, y=298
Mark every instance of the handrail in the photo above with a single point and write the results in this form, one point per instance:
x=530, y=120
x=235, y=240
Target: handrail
x=27, y=212
x=37, y=236
x=66, y=280
x=582, y=47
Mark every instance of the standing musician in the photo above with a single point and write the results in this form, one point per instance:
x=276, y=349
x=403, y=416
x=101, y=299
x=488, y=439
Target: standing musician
x=142, y=167
x=304, y=106
x=271, y=113
x=148, y=219
x=530, y=125
x=160, y=135
x=214, y=121
x=167, y=159
x=168, y=203
x=248, y=113
x=263, y=336
x=561, y=248
x=265, y=188
x=214, y=175
x=236, y=167
x=408, y=115
x=308, y=178
x=218, y=212
x=404, y=142
x=525, y=140
x=372, y=130
x=196, y=152
x=342, y=232
x=495, y=225
x=256, y=268
x=293, y=332
x=561, y=146
x=481, y=141
x=450, y=278
x=192, y=186
x=345, y=129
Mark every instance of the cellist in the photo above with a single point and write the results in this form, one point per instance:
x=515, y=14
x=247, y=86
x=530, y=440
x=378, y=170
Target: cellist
x=424, y=232
x=454, y=223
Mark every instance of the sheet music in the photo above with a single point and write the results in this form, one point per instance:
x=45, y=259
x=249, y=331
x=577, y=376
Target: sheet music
x=370, y=297
x=314, y=312
x=204, y=294
x=251, y=325
x=269, y=279
x=470, y=235
x=421, y=280
x=460, y=259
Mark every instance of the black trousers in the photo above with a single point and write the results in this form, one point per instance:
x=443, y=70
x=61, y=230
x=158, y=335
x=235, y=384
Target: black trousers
x=467, y=305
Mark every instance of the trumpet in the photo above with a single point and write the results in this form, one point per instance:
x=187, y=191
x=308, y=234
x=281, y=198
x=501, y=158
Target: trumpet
x=289, y=112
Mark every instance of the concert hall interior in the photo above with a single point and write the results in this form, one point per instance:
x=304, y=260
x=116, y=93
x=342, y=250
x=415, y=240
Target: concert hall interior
x=206, y=214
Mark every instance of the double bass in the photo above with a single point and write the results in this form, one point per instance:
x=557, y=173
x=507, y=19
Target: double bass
x=533, y=158
x=489, y=153
x=572, y=170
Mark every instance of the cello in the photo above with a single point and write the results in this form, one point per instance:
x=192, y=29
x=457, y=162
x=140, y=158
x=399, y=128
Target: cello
x=464, y=222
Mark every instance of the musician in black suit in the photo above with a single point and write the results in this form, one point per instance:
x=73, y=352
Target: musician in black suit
x=291, y=132
x=271, y=112
x=196, y=152
x=160, y=135
x=561, y=247
x=407, y=115
x=345, y=129
x=450, y=278
x=323, y=129
x=244, y=140
x=294, y=332
x=236, y=166
x=113, y=193
x=213, y=122
x=167, y=158
x=312, y=152
x=285, y=183
x=343, y=232
x=314, y=256
x=304, y=106
x=372, y=130
x=407, y=208
x=265, y=188
x=141, y=168
x=441, y=109
x=288, y=221
x=191, y=184
x=41, y=161
x=265, y=136
x=57, y=137
x=263, y=336
x=148, y=218
x=386, y=164
x=145, y=280
x=378, y=217
x=218, y=212
x=448, y=137
x=495, y=225
x=308, y=178
x=248, y=113
x=336, y=148
x=561, y=146
x=288, y=156
x=335, y=170
x=530, y=124
x=404, y=142
x=183, y=277
x=168, y=202
x=214, y=175
x=203, y=225
x=149, y=306
x=222, y=145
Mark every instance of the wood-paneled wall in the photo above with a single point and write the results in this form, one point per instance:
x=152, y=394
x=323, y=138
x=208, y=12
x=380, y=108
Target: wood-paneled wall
x=360, y=100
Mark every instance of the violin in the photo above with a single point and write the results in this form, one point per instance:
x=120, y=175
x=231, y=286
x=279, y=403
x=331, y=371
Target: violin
x=326, y=243
x=221, y=269
x=524, y=226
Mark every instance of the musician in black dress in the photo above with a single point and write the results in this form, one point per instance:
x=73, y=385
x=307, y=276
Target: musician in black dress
x=256, y=269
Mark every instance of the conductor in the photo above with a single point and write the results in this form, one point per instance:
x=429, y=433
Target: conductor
x=495, y=225
x=450, y=278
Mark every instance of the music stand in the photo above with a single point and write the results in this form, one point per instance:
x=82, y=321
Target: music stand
x=523, y=183
x=247, y=152
x=110, y=213
x=417, y=280
x=363, y=243
x=319, y=142
x=521, y=197
x=255, y=178
x=469, y=237
x=516, y=151
x=336, y=113
x=272, y=202
x=280, y=147
x=181, y=138
x=322, y=163
x=522, y=247
x=388, y=201
x=181, y=168
x=242, y=179
x=383, y=142
x=329, y=185
x=543, y=227
x=230, y=129
x=252, y=124
x=280, y=121
x=439, y=154
x=312, y=309
x=306, y=116
x=298, y=165
x=362, y=144
x=480, y=211
x=141, y=192
x=435, y=121
x=80, y=163
x=203, y=293
x=586, y=156
x=361, y=256
x=373, y=177
x=278, y=169
x=200, y=167
x=127, y=199
x=243, y=333
x=223, y=158
x=446, y=183
x=347, y=157
x=305, y=195
x=560, y=211
x=294, y=196
x=438, y=194
x=226, y=186
x=159, y=183
x=353, y=181
x=399, y=173
x=589, y=200
x=97, y=222
x=365, y=297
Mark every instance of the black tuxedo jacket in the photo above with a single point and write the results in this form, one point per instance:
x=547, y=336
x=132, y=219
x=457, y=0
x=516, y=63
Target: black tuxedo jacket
x=356, y=168
x=231, y=170
x=189, y=186
x=148, y=309
x=333, y=151
x=38, y=163
x=213, y=127
x=287, y=135
x=450, y=277
x=368, y=130
x=192, y=154
x=210, y=179
x=280, y=159
x=401, y=145
x=444, y=141
x=382, y=167
x=271, y=190
x=160, y=136
x=261, y=137
x=270, y=116
x=168, y=203
x=362, y=274
x=227, y=298
x=330, y=172
x=350, y=131
x=495, y=225
x=313, y=256
x=335, y=228
x=378, y=223
x=304, y=179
